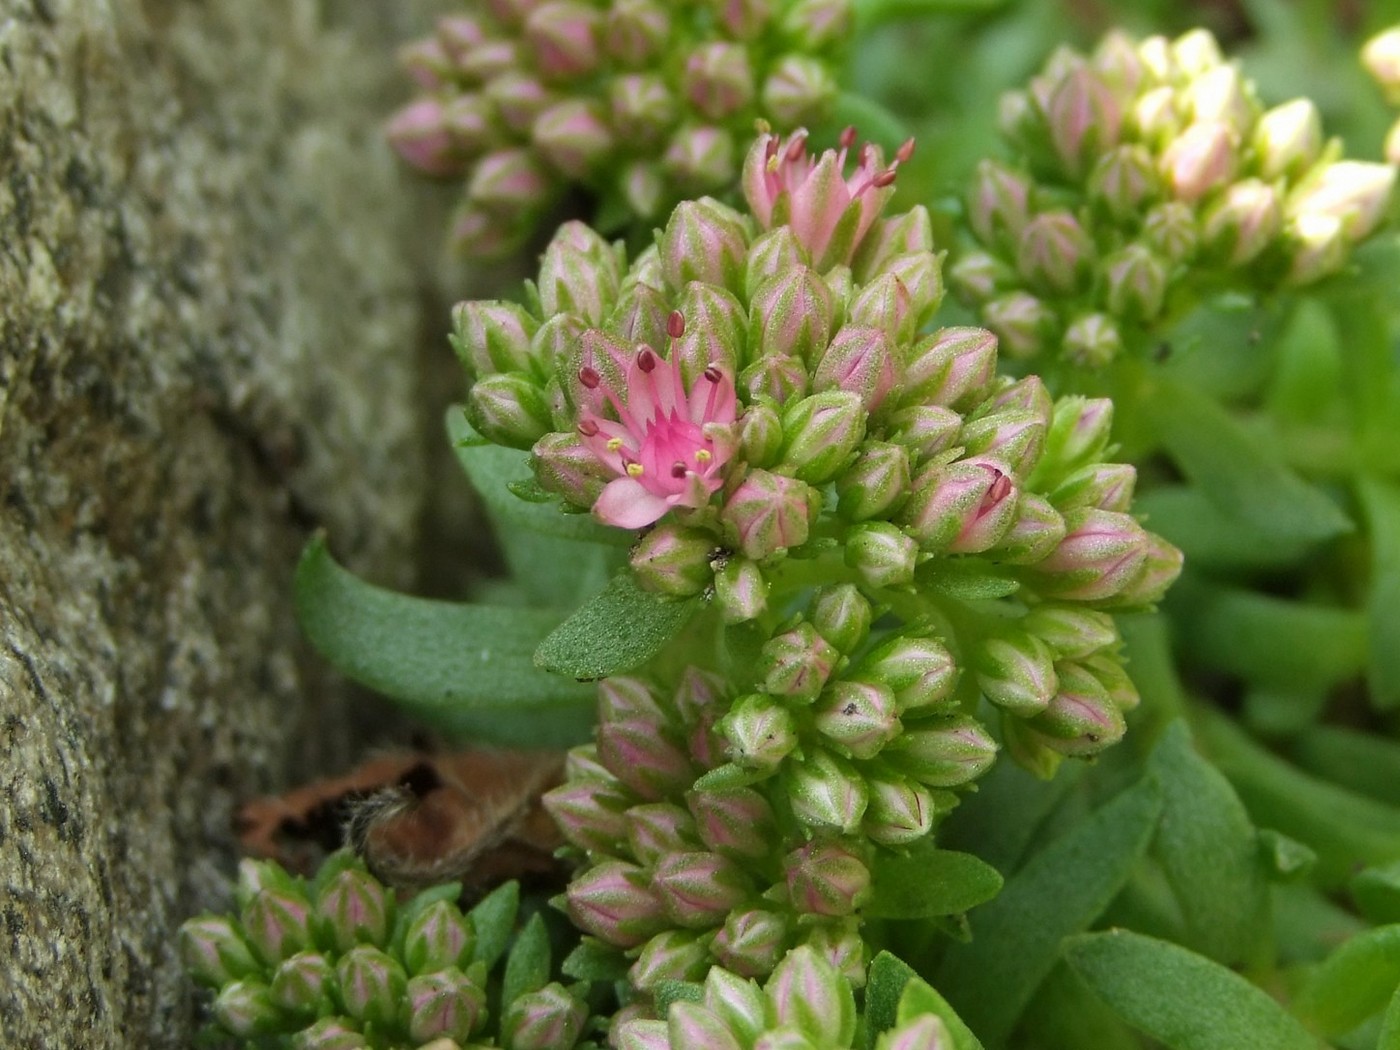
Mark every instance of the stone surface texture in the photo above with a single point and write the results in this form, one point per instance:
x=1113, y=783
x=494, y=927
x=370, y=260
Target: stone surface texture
x=212, y=304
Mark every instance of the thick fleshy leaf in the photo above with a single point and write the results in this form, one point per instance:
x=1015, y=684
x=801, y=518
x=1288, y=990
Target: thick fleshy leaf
x=1240, y=473
x=1381, y=501
x=463, y=669
x=1376, y=892
x=884, y=985
x=927, y=881
x=1366, y=763
x=527, y=966
x=1209, y=853
x=1060, y=891
x=1181, y=999
x=1000, y=819
x=593, y=960
x=1390, y=1028
x=920, y=998
x=1353, y=983
x=619, y=630
x=1207, y=535
x=493, y=919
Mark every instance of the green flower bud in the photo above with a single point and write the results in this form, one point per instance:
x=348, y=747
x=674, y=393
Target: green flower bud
x=1137, y=283
x=214, y=952
x=439, y=938
x=883, y=554
x=1288, y=139
x=876, y=483
x=246, y=1009
x=943, y=753
x=303, y=984
x=354, y=909
x=371, y=983
x=822, y=432
x=919, y=670
x=741, y=592
x=1092, y=340
x=704, y=241
x=791, y=313
x=901, y=811
x=510, y=409
x=674, y=560
x=859, y=717
x=443, y=1005
x=1081, y=719
x=760, y=732
x=842, y=616
x=761, y=434
x=493, y=337
x=1016, y=671
x=672, y=955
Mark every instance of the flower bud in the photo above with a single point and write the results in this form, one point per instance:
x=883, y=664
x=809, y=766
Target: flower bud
x=1137, y=283
x=824, y=878
x=760, y=732
x=1199, y=160
x=704, y=241
x=564, y=39
x=277, y=924
x=699, y=889
x=700, y=158
x=640, y=1033
x=920, y=274
x=550, y=1018
x=768, y=513
x=637, y=31
x=808, y=994
x=818, y=25
x=925, y=430
x=1101, y=554
x=579, y=274
x=418, y=133
x=637, y=753
x=371, y=984
x=427, y=61
x=331, y=1033
x=714, y=331
x=740, y=590
x=642, y=188
x=1092, y=340
x=925, y=1032
x=859, y=360
x=772, y=254
x=214, y=952
x=978, y=276
x=1078, y=434
x=509, y=408
x=1081, y=719
x=751, y=941
x=623, y=698
x=943, y=753
x=574, y=136
x=1221, y=94
x=1036, y=531
x=791, y=313
x=887, y=306
x=963, y=507
x=901, y=811
x=439, y=938
x=1355, y=193
x=1170, y=230
x=1381, y=57
x=611, y=901
x=487, y=60
x=642, y=107
x=822, y=432
x=998, y=205
x=1244, y=221
x=1159, y=571
x=672, y=955
x=796, y=664
x=1016, y=671
x=508, y=182
x=353, y=909
x=761, y=434
x=674, y=560
x=581, y=763
x=1107, y=486
x=875, y=483
x=1083, y=120
x=303, y=983
x=515, y=99
x=443, y=1005
x=1287, y=139
x=952, y=367
x=1070, y=631
x=1124, y=180
x=861, y=717
x=1055, y=253
x=245, y=1009
x=254, y=876
x=1010, y=437
x=718, y=79
x=1319, y=247
x=881, y=553
x=775, y=377
x=918, y=669
x=590, y=813
x=1023, y=324
x=738, y=821
x=658, y=829
x=798, y=89
x=888, y=239
x=842, y=616
x=493, y=336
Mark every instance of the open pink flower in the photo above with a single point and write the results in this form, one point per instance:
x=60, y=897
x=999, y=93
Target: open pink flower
x=667, y=445
x=828, y=211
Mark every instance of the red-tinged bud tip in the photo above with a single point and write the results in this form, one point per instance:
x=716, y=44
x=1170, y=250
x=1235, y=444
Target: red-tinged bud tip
x=675, y=324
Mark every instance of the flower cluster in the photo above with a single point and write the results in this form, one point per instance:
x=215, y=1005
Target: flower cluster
x=805, y=1005
x=1381, y=57
x=338, y=964
x=638, y=101
x=1148, y=175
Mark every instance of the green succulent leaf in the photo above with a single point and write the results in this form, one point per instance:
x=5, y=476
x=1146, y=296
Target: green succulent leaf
x=1353, y=983
x=527, y=965
x=464, y=669
x=920, y=998
x=493, y=919
x=1381, y=501
x=927, y=881
x=884, y=985
x=594, y=960
x=1389, y=1038
x=1376, y=892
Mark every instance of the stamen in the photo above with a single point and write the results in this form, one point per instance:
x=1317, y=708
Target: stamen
x=589, y=377
x=703, y=455
x=646, y=360
x=796, y=148
x=588, y=428
x=614, y=443
x=677, y=469
x=905, y=152
x=675, y=324
x=885, y=178
x=999, y=490
x=848, y=137
x=712, y=373
x=635, y=470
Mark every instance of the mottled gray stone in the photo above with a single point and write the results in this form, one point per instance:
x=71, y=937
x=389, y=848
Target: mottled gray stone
x=211, y=314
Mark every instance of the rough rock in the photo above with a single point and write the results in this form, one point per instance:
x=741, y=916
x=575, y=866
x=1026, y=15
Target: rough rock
x=211, y=303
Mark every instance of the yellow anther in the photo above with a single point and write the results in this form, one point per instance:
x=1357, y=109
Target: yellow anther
x=614, y=444
x=702, y=455
x=634, y=470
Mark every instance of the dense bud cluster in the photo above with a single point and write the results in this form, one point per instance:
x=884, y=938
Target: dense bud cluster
x=339, y=964
x=1147, y=176
x=641, y=102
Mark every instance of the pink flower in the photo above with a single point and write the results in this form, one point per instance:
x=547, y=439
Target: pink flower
x=668, y=444
x=828, y=212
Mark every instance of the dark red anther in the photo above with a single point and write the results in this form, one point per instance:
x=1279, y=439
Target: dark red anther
x=905, y=152
x=713, y=374
x=797, y=147
x=646, y=360
x=588, y=428
x=999, y=490
x=885, y=178
x=848, y=137
x=589, y=377
x=675, y=324
x=677, y=469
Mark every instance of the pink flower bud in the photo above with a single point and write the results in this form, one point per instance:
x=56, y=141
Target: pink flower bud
x=776, y=377
x=637, y=31
x=641, y=1034
x=214, y=952
x=562, y=464
x=1016, y=671
x=1083, y=120
x=925, y=430
x=672, y=955
x=1381, y=57
x=704, y=241
x=439, y=938
x=372, y=985
x=808, y=994
x=493, y=336
x=488, y=60
x=1199, y=160
x=564, y=39
x=1124, y=180
x=718, y=79
x=1287, y=139
x=1244, y=221
x=998, y=204
x=859, y=360
x=1055, y=254
x=426, y=62
x=1023, y=324
x=1107, y=486
x=611, y=901
x=1159, y=571
x=1136, y=283
x=277, y=924
x=791, y=314
x=573, y=136
x=303, y=982
x=861, y=717
x=887, y=306
x=550, y=1018
x=578, y=274
x=354, y=909
x=909, y=233
x=1037, y=530
x=1221, y=94
x=1318, y=246
x=638, y=755
x=480, y=232
x=245, y=1009
x=760, y=732
x=738, y=821
x=842, y=616
x=1081, y=719
x=952, y=367
x=881, y=554
x=510, y=409
x=642, y=107
x=1078, y=433
x=901, y=811
x=590, y=813
x=699, y=889
x=768, y=512
x=1116, y=60
x=943, y=753
x=1092, y=340
x=700, y=158
x=642, y=187
x=824, y=878
x=817, y=25
x=443, y=1005
x=509, y=181
x=1355, y=193
x=798, y=89
x=1024, y=395
x=470, y=124
x=1101, y=554
x=737, y=1002
x=714, y=330
x=659, y=829
x=623, y=698
x=458, y=34
x=796, y=664
x=921, y=275
x=751, y=941
x=843, y=947
x=962, y=507
x=518, y=99
x=825, y=792
x=674, y=560
x=876, y=483
x=419, y=135
x=1012, y=438
x=919, y=670
x=925, y=1032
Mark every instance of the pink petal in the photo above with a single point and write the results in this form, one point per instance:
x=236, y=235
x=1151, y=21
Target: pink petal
x=625, y=503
